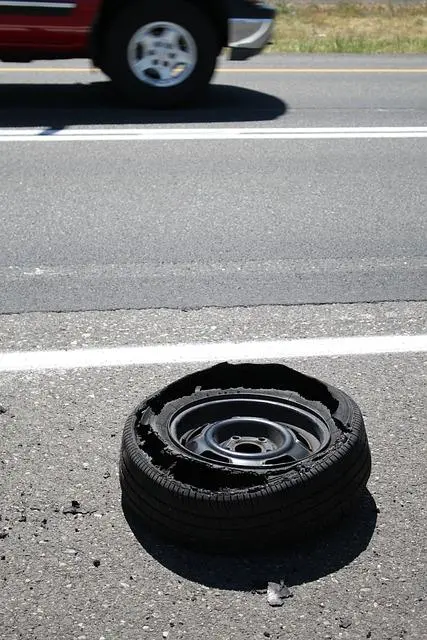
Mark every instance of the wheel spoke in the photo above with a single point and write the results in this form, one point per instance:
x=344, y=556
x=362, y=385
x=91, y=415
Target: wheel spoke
x=143, y=65
x=183, y=58
x=298, y=451
x=198, y=445
x=149, y=43
x=171, y=37
x=164, y=72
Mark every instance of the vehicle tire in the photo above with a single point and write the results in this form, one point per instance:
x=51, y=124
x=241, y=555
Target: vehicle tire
x=161, y=54
x=227, y=469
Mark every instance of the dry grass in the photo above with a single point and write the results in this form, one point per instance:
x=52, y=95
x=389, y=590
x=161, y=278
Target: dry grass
x=350, y=28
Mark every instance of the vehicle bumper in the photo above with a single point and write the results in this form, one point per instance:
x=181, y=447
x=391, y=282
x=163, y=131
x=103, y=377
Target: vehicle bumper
x=248, y=36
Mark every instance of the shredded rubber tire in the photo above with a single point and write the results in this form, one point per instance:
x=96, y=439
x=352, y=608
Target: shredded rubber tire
x=203, y=503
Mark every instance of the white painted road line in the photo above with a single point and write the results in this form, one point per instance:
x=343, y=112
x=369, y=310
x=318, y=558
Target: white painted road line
x=210, y=352
x=144, y=135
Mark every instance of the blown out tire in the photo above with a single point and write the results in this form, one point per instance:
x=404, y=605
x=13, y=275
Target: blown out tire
x=187, y=19
x=199, y=499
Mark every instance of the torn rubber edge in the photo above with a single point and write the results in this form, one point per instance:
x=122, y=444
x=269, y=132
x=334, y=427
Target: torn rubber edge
x=211, y=477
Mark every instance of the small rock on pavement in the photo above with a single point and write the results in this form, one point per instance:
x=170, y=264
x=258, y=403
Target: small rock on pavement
x=276, y=593
x=2, y=409
x=345, y=623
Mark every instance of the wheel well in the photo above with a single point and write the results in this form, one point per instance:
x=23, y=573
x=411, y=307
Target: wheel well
x=216, y=10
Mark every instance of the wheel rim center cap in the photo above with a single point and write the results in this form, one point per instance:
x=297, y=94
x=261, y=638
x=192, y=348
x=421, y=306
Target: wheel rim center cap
x=249, y=437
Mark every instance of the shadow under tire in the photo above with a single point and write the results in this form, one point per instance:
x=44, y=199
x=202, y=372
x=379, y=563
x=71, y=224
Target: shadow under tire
x=187, y=19
x=208, y=503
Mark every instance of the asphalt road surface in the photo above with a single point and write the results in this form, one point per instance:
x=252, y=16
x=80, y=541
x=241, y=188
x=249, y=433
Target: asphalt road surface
x=110, y=239
x=137, y=223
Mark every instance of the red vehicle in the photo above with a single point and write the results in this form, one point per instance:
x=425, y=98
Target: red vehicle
x=159, y=53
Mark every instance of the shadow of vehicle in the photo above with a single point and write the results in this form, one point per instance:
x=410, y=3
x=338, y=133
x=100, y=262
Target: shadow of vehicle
x=58, y=106
x=294, y=564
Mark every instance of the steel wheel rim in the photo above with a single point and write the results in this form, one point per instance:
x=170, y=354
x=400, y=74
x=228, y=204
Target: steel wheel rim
x=162, y=54
x=249, y=431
